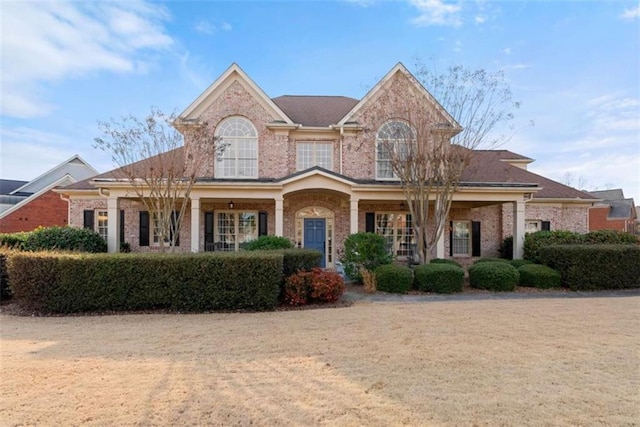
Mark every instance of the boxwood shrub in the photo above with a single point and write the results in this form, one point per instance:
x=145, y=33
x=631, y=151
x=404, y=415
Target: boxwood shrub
x=445, y=261
x=368, y=250
x=591, y=267
x=517, y=263
x=267, y=243
x=535, y=241
x=441, y=278
x=494, y=276
x=66, y=239
x=394, y=278
x=67, y=283
x=538, y=276
x=299, y=259
x=491, y=259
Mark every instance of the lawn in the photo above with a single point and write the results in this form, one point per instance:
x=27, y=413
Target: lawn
x=543, y=361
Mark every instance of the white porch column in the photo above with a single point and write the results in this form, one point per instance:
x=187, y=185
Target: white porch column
x=113, y=224
x=279, y=217
x=354, y=216
x=195, y=224
x=440, y=246
x=518, y=229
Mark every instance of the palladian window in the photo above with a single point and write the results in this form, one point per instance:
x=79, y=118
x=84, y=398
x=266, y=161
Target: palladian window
x=239, y=140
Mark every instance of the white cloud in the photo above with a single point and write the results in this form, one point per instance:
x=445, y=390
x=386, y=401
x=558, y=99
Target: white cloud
x=207, y=28
x=506, y=51
x=633, y=13
x=611, y=113
x=50, y=41
x=436, y=12
x=479, y=19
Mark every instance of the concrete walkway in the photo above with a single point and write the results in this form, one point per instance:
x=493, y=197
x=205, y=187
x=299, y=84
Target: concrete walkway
x=354, y=293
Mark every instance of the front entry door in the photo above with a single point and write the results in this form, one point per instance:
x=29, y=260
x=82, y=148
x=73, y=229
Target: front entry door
x=315, y=235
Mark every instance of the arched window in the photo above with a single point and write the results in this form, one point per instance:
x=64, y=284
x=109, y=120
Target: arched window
x=239, y=158
x=391, y=138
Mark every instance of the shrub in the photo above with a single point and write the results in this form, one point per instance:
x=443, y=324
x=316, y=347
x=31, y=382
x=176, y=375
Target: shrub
x=610, y=237
x=517, y=263
x=316, y=285
x=5, y=290
x=299, y=259
x=267, y=243
x=441, y=278
x=366, y=250
x=591, y=267
x=394, y=278
x=538, y=276
x=14, y=240
x=494, y=276
x=491, y=259
x=506, y=248
x=445, y=261
x=66, y=239
x=67, y=283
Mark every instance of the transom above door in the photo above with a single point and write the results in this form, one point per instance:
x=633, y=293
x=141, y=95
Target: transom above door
x=315, y=230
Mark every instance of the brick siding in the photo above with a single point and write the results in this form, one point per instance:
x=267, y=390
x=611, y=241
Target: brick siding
x=46, y=210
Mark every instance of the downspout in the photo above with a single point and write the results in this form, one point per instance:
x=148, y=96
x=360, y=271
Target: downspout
x=66, y=199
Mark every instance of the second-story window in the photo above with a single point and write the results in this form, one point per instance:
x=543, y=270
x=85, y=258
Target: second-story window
x=392, y=140
x=309, y=154
x=239, y=159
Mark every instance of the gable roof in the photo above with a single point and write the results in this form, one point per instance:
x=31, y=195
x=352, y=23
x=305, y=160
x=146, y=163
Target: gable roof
x=232, y=74
x=614, y=194
x=316, y=111
x=619, y=207
x=7, y=186
x=75, y=167
x=20, y=202
x=400, y=68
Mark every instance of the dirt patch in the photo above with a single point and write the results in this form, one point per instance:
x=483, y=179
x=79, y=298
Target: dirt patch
x=491, y=362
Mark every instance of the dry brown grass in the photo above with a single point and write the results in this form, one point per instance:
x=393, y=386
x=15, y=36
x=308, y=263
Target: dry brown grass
x=519, y=362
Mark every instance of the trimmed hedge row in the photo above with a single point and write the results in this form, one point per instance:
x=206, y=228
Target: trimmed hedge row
x=5, y=291
x=538, y=276
x=55, y=238
x=299, y=259
x=67, y=283
x=442, y=278
x=445, y=261
x=534, y=242
x=592, y=267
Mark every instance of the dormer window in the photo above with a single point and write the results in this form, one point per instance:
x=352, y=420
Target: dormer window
x=239, y=159
x=391, y=140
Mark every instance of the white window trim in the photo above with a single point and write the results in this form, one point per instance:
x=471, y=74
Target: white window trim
x=217, y=169
x=469, y=245
x=395, y=142
x=532, y=221
x=394, y=250
x=96, y=223
x=216, y=232
x=315, y=154
x=152, y=232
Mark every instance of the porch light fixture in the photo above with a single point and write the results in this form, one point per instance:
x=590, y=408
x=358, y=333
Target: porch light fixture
x=231, y=205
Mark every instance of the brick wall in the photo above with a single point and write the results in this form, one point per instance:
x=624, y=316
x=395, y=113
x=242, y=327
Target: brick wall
x=561, y=217
x=46, y=210
x=598, y=220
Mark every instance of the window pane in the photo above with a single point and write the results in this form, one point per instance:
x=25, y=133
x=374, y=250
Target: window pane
x=226, y=232
x=239, y=158
x=102, y=224
x=461, y=238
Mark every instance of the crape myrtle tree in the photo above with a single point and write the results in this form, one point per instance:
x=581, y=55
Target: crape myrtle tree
x=150, y=157
x=429, y=156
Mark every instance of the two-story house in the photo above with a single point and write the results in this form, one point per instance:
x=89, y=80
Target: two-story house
x=309, y=168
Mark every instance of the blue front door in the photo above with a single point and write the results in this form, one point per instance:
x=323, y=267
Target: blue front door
x=315, y=235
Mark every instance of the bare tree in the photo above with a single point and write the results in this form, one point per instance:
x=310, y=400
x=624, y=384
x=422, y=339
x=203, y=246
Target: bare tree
x=575, y=181
x=429, y=156
x=150, y=157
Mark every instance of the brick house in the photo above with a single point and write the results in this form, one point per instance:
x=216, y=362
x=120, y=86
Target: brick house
x=307, y=168
x=26, y=205
x=612, y=212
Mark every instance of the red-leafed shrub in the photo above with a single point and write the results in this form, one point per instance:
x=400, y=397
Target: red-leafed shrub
x=317, y=285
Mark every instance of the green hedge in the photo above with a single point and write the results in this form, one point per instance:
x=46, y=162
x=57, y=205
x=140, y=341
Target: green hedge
x=441, y=278
x=591, y=267
x=491, y=259
x=267, y=243
x=14, y=240
x=393, y=278
x=368, y=250
x=535, y=241
x=299, y=259
x=494, y=276
x=445, y=261
x=517, y=263
x=5, y=291
x=67, y=283
x=65, y=239
x=538, y=276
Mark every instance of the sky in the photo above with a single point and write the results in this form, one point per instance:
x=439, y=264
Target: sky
x=573, y=65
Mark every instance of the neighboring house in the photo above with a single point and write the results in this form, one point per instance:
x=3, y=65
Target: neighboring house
x=26, y=205
x=637, y=221
x=612, y=212
x=306, y=167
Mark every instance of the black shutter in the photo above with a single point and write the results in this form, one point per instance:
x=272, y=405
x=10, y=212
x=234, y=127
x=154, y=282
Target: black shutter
x=450, y=238
x=545, y=226
x=208, y=231
x=144, y=228
x=174, y=221
x=121, y=226
x=475, y=238
x=370, y=222
x=262, y=224
x=88, y=219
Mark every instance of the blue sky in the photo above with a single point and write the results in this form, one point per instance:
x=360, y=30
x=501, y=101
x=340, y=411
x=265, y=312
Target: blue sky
x=573, y=64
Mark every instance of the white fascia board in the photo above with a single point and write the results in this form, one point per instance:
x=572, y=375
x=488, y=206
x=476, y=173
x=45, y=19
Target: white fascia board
x=36, y=195
x=55, y=168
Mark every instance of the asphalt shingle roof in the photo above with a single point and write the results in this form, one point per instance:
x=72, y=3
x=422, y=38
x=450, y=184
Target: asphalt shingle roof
x=321, y=111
